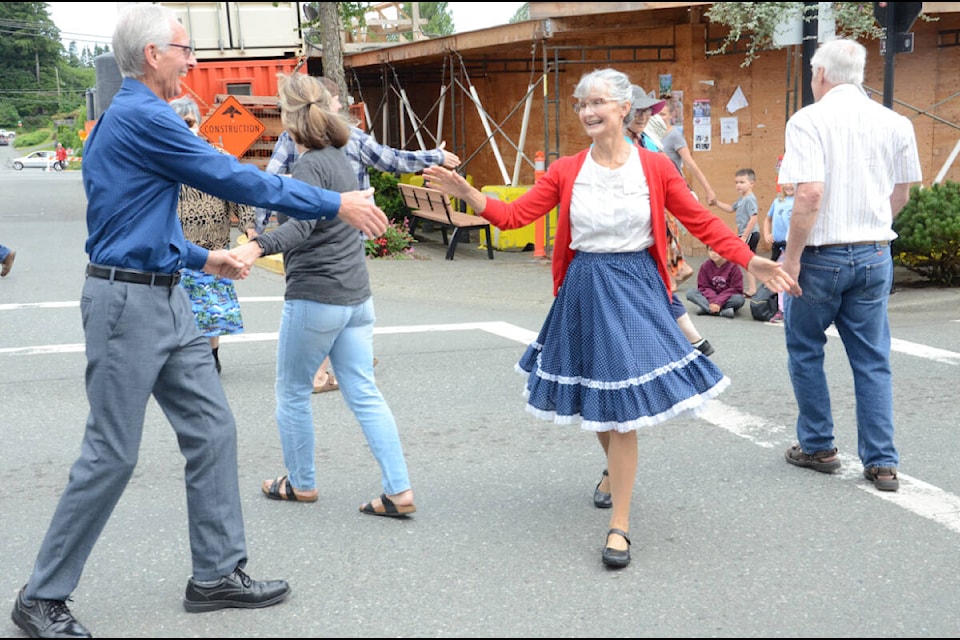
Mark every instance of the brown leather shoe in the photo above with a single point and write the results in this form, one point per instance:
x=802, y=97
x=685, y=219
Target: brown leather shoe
x=8, y=263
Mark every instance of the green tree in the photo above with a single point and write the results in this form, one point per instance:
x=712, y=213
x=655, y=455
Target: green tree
x=757, y=22
x=73, y=55
x=438, y=17
x=522, y=14
x=30, y=55
x=330, y=18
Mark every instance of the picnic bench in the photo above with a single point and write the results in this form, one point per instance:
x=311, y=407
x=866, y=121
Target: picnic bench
x=433, y=205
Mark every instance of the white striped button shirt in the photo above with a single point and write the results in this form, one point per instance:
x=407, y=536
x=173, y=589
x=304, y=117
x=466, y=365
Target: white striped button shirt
x=859, y=149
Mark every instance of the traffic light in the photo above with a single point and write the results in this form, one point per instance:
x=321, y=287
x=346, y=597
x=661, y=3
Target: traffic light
x=904, y=13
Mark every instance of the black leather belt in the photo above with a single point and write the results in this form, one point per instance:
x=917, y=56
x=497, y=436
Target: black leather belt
x=133, y=276
x=881, y=243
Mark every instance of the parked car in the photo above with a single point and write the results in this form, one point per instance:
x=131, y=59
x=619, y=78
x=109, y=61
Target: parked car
x=37, y=160
x=4, y=141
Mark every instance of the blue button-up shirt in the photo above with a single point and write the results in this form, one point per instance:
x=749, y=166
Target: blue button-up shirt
x=134, y=162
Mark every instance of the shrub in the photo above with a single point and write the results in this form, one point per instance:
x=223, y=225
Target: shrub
x=387, y=195
x=928, y=229
x=396, y=242
x=33, y=138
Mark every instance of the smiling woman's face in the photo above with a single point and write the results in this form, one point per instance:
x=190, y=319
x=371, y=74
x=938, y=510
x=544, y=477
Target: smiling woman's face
x=600, y=115
x=640, y=120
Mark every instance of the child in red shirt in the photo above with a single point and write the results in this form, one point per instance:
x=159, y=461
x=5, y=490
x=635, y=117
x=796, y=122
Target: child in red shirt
x=719, y=289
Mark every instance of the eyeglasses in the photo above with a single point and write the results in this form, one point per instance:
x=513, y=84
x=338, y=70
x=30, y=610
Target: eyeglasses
x=594, y=104
x=187, y=51
x=642, y=113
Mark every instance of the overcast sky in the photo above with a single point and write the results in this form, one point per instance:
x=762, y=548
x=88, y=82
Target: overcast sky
x=89, y=23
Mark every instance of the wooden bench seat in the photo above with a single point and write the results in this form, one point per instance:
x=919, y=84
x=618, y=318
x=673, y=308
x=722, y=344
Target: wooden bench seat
x=433, y=205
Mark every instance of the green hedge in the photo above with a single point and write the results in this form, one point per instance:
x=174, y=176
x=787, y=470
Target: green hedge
x=928, y=229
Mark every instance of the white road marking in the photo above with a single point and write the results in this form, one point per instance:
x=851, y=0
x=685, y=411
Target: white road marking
x=909, y=348
x=915, y=496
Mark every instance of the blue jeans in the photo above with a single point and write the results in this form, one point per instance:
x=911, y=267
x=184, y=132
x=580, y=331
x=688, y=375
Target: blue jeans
x=4, y=252
x=309, y=331
x=848, y=286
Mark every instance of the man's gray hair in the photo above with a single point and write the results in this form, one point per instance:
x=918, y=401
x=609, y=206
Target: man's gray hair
x=138, y=25
x=842, y=61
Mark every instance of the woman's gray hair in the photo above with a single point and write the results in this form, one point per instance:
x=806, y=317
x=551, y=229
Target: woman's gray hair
x=637, y=96
x=306, y=114
x=185, y=107
x=614, y=82
x=138, y=25
x=842, y=61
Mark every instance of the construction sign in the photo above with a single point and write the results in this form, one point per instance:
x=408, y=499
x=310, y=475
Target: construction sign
x=232, y=127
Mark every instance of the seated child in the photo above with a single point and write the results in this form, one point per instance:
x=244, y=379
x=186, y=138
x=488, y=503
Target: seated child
x=719, y=289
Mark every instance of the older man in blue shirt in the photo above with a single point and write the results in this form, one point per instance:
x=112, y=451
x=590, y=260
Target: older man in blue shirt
x=141, y=338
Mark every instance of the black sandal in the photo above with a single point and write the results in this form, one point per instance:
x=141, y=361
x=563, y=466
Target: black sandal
x=273, y=492
x=388, y=508
x=602, y=499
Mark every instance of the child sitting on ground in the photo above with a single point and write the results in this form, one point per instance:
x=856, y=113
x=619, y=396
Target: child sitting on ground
x=719, y=289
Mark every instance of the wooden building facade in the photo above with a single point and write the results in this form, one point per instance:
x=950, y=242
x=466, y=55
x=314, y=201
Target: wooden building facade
x=497, y=96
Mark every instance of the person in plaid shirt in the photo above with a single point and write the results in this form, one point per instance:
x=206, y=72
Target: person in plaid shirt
x=363, y=151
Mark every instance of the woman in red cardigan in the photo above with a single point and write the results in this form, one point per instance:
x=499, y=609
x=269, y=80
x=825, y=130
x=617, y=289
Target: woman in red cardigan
x=610, y=355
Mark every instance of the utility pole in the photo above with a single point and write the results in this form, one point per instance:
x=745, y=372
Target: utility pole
x=811, y=28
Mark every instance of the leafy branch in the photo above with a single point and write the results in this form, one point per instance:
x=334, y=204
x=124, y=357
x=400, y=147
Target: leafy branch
x=759, y=22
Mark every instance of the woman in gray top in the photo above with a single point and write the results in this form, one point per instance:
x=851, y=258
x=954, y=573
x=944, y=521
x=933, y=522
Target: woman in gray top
x=328, y=310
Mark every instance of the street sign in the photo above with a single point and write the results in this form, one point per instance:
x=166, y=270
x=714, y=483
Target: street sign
x=904, y=43
x=232, y=127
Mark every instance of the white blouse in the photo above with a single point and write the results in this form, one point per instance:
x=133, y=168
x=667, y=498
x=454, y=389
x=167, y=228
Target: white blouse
x=610, y=208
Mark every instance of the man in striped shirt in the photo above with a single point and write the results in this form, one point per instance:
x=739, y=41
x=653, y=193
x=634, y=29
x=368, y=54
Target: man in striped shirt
x=853, y=161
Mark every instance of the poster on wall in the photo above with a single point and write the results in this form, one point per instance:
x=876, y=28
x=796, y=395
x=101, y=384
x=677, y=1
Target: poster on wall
x=666, y=84
x=676, y=97
x=701, y=125
x=729, y=130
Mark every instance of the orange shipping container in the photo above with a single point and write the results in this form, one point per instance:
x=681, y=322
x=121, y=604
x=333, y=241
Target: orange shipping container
x=235, y=77
x=254, y=83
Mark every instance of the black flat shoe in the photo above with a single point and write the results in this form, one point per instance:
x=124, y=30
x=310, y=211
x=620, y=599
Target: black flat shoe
x=602, y=499
x=615, y=557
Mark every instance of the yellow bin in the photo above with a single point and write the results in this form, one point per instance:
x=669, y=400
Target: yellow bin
x=516, y=239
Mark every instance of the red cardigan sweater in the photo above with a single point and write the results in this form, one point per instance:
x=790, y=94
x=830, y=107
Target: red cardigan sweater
x=668, y=190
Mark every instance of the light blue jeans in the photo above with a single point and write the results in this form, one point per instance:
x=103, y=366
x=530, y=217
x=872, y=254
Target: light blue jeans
x=848, y=286
x=309, y=331
x=4, y=252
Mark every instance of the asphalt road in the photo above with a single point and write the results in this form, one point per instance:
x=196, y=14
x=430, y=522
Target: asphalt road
x=729, y=541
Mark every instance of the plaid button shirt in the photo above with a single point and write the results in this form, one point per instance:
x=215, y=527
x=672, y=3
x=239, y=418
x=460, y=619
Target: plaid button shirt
x=362, y=150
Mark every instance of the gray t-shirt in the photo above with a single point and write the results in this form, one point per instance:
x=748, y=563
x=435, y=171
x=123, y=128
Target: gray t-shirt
x=324, y=260
x=745, y=207
x=672, y=143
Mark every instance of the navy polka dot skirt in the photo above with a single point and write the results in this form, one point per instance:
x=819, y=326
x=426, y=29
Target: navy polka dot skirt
x=610, y=354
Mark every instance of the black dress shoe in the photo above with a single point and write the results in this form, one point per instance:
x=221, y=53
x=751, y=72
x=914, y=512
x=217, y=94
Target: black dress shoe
x=46, y=619
x=236, y=590
x=615, y=557
x=602, y=499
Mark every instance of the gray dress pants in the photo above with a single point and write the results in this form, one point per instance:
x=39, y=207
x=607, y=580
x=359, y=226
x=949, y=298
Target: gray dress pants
x=143, y=340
